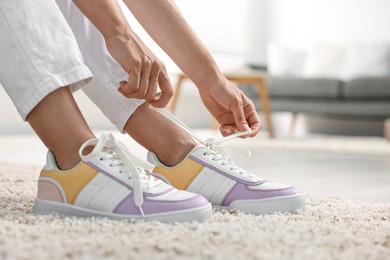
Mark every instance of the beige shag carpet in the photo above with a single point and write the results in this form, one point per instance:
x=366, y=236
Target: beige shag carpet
x=330, y=228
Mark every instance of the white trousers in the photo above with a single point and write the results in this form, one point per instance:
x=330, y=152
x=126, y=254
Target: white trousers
x=45, y=46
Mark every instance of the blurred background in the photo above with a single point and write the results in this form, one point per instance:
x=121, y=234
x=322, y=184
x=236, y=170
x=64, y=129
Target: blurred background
x=326, y=65
x=292, y=39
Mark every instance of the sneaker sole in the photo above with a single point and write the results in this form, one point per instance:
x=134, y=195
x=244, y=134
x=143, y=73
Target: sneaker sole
x=290, y=203
x=45, y=207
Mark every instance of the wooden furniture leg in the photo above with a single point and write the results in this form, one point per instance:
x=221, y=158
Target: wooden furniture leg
x=292, y=124
x=176, y=93
x=387, y=129
x=264, y=102
x=214, y=124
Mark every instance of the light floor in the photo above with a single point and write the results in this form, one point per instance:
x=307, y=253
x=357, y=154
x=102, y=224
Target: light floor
x=354, y=177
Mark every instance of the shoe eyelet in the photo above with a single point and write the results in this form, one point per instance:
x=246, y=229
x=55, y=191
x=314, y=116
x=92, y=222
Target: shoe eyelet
x=101, y=159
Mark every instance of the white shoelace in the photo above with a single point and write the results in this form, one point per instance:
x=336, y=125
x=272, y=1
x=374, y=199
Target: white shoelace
x=212, y=144
x=121, y=157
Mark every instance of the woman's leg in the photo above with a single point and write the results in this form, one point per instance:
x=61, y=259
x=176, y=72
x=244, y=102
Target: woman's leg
x=60, y=125
x=147, y=127
x=36, y=60
x=159, y=135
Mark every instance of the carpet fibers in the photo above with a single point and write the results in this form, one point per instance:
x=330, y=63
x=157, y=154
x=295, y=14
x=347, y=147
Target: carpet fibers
x=330, y=228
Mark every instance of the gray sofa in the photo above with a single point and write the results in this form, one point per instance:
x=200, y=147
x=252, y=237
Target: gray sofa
x=360, y=97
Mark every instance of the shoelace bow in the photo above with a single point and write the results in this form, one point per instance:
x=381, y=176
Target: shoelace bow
x=128, y=163
x=213, y=144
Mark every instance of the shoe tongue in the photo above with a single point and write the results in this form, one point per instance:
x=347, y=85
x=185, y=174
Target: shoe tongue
x=200, y=145
x=152, y=157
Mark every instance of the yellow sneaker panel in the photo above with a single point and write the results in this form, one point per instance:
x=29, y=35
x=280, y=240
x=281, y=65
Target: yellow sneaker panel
x=72, y=181
x=182, y=174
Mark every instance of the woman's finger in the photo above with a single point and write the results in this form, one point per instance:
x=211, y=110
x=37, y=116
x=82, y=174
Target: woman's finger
x=145, y=77
x=166, y=90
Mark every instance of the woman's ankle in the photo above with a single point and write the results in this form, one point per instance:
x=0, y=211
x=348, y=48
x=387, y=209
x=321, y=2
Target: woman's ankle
x=66, y=160
x=175, y=153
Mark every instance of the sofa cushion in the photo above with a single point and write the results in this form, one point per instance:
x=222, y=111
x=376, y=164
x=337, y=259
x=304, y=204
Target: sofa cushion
x=307, y=88
x=367, y=60
x=367, y=88
x=284, y=61
x=323, y=61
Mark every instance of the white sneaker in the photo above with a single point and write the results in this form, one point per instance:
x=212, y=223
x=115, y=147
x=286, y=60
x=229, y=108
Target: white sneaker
x=208, y=172
x=107, y=183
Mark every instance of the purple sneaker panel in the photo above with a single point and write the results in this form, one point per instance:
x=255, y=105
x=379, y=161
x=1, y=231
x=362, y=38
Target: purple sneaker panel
x=241, y=192
x=127, y=206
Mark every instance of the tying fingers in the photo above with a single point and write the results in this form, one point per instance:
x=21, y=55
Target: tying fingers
x=166, y=89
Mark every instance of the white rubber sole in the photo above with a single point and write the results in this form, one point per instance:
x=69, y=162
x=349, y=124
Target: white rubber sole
x=45, y=207
x=290, y=203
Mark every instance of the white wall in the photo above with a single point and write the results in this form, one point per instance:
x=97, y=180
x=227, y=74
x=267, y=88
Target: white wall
x=257, y=31
x=296, y=22
x=301, y=22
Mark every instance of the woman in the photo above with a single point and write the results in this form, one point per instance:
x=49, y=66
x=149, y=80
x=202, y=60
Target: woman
x=43, y=59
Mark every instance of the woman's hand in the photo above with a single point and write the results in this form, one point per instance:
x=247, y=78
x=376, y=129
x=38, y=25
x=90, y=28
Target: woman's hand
x=145, y=71
x=231, y=108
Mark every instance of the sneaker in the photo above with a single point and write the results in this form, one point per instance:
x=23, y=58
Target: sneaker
x=208, y=172
x=107, y=183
